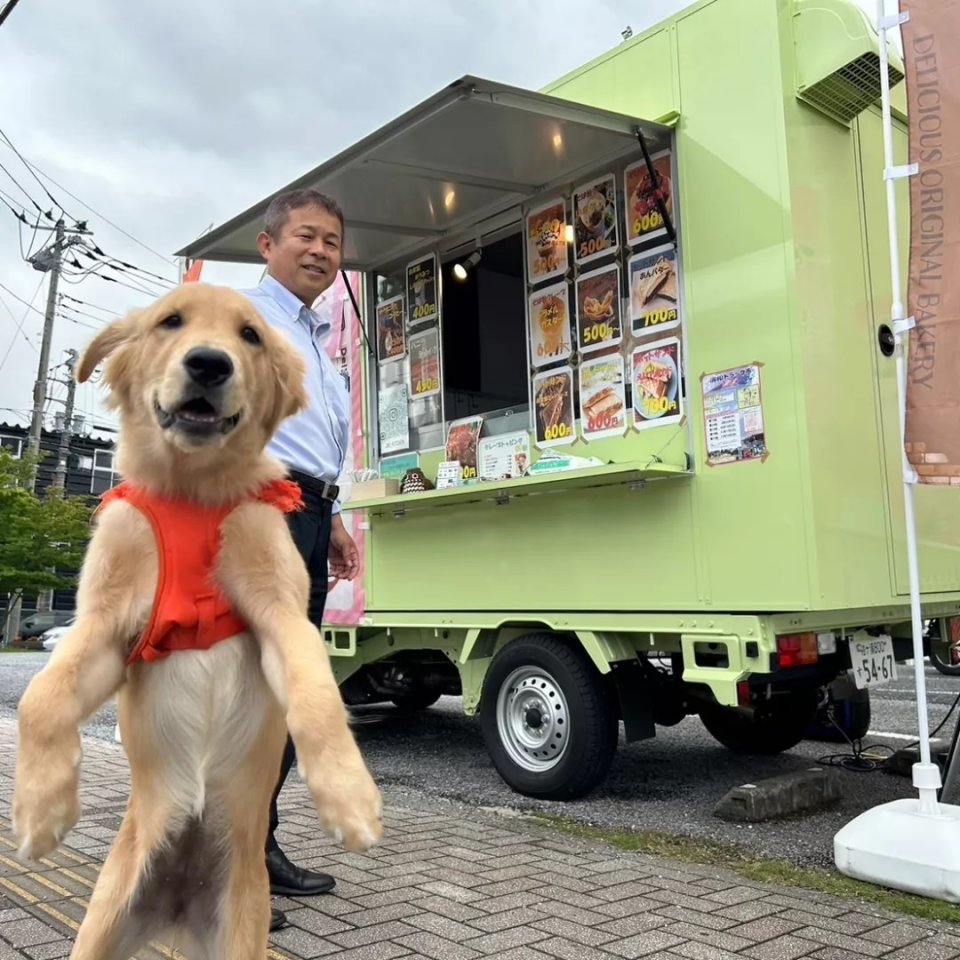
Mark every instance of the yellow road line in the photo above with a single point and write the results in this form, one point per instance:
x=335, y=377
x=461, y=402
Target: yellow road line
x=55, y=887
x=19, y=891
x=272, y=954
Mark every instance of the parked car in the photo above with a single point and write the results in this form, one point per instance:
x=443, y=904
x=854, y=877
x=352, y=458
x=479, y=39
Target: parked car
x=51, y=637
x=37, y=624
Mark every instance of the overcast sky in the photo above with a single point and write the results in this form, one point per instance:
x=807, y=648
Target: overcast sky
x=167, y=117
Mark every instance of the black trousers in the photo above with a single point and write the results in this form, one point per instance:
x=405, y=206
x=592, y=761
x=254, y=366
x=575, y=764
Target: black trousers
x=310, y=528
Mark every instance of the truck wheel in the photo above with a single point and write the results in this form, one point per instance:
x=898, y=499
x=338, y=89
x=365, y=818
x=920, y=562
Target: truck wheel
x=775, y=726
x=549, y=723
x=844, y=716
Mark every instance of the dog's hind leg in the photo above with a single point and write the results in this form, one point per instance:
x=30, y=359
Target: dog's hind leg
x=244, y=908
x=116, y=925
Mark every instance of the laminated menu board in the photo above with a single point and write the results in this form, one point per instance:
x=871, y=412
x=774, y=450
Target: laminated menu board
x=391, y=336
x=654, y=290
x=553, y=402
x=424, y=360
x=422, y=290
x=642, y=214
x=394, y=418
x=603, y=404
x=595, y=219
x=546, y=241
x=598, y=309
x=550, y=338
x=462, y=440
x=657, y=398
x=733, y=415
x=505, y=456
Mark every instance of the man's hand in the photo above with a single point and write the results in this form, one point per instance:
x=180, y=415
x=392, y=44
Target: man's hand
x=344, y=557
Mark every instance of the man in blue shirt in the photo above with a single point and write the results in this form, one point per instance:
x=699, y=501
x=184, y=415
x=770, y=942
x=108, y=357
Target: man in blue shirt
x=302, y=243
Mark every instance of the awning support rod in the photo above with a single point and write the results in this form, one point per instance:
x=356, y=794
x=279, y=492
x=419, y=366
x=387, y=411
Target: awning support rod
x=661, y=206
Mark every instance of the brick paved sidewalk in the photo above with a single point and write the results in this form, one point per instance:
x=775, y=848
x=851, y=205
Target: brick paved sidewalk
x=452, y=888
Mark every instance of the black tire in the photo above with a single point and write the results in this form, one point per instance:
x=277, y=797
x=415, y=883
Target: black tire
x=775, y=726
x=578, y=719
x=845, y=715
x=414, y=702
x=937, y=652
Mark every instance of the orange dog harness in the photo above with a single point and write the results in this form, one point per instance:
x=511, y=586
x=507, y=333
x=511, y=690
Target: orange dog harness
x=190, y=611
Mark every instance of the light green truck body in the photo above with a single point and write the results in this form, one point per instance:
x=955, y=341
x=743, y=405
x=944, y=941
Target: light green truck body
x=780, y=209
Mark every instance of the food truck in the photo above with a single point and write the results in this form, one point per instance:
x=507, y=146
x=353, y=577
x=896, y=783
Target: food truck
x=626, y=442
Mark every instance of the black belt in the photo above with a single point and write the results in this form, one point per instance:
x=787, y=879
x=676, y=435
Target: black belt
x=322, y=489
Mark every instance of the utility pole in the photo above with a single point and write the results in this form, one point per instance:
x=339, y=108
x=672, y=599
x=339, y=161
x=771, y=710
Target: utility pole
x=53, y=264
x=49, y=259
x=58, y=485
x=63, y=449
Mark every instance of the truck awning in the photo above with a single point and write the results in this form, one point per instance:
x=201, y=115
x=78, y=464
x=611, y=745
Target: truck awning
x=470, y=152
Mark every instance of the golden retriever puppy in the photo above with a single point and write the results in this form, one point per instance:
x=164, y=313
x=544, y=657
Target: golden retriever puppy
x=200, y=382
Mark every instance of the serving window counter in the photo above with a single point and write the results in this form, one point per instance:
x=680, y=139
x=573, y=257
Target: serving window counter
x=543, y=335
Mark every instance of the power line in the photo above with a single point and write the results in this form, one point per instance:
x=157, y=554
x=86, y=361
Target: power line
x=29, y=306
x=32, y=173
x=7, y=10
x=20, y=323
x=86, y=206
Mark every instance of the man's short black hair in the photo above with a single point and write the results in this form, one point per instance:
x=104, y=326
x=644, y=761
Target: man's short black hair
x=281, y=206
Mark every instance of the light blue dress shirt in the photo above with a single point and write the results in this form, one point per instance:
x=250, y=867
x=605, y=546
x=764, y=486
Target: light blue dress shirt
x=314, y=440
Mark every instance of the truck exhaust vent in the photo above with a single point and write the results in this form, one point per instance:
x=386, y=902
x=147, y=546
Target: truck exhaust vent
x=838, y=59
x=848, y=92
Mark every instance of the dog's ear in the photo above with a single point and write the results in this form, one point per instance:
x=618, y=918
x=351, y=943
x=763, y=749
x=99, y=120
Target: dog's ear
x=289, y=372
x=104, y=343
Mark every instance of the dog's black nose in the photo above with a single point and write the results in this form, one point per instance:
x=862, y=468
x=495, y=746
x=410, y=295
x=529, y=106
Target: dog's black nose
x=207, y=367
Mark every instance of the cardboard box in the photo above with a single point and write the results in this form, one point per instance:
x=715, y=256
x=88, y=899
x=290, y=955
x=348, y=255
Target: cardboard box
x=374, y=489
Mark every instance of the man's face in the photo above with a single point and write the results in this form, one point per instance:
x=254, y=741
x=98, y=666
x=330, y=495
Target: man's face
x=306, y=256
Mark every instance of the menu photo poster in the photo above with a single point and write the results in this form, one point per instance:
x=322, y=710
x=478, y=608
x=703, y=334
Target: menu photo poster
x=641, y=211
x=394, y=418
x=550, y=337
x=424, y=361
x=595, y=219
x=733, y=416
x=553, y=400
x=599, y=323
x=603, y=402
x=546, y=244
x=504, y=457
x=422, y=291
x=654, y=290
x=656, y=373
x=391, y=336
x=463, y=438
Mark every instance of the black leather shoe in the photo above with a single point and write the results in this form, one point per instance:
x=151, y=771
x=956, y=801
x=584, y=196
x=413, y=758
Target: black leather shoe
x=288, y=880
x=278, y=919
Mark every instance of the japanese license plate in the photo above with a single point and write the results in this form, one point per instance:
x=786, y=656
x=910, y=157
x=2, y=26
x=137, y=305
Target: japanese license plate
x=872, y=661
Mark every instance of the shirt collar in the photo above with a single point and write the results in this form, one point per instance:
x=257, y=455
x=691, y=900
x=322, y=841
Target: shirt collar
x=293, y=306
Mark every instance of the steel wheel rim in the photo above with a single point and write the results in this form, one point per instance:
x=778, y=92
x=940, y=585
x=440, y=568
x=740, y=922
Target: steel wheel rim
x=533, y=719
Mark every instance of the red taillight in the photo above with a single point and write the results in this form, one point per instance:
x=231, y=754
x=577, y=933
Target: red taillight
x=743, y=693
x=797, y=649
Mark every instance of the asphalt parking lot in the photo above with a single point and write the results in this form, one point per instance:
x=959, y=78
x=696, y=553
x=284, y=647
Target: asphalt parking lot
x=669, y=784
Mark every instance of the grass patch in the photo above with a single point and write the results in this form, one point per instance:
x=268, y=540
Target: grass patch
x=748, y=865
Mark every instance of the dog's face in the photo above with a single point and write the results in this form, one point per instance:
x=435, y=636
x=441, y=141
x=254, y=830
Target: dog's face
x=201, y=368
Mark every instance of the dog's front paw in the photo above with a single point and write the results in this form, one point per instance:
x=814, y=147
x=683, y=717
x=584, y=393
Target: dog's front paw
x=46, y=806
x=348, y=803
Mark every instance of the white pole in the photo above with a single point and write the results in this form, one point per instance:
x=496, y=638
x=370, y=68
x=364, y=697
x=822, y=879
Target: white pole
x=926, y=775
